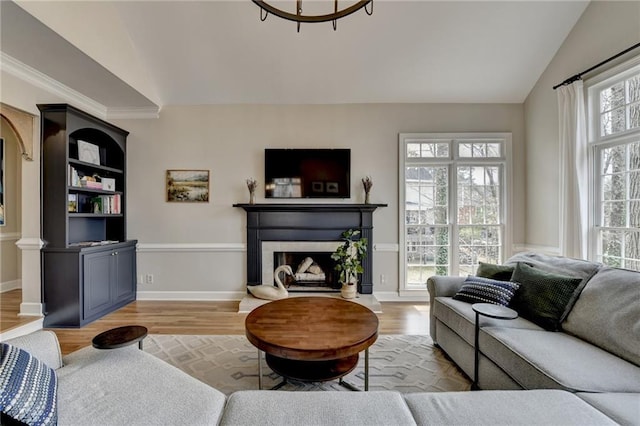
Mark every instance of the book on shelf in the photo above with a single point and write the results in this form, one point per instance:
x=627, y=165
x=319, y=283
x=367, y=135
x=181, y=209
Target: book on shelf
x=72, y=206
x=106, y=204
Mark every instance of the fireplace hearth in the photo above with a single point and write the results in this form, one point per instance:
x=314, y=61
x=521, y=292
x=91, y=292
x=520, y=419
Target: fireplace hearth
x=277, y=226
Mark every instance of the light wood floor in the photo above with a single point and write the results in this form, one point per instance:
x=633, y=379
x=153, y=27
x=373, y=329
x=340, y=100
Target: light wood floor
x=217, y=318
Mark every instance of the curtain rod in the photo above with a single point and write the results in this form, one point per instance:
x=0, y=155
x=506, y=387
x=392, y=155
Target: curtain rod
x=606, y=61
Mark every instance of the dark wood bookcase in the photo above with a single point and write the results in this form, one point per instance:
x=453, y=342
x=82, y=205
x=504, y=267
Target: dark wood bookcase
x=88, y=265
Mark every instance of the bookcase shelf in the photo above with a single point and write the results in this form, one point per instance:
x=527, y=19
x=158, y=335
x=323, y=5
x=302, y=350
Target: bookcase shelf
x=88, y=265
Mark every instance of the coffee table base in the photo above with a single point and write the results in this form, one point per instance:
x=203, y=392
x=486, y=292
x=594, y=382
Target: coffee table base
x=314, y=371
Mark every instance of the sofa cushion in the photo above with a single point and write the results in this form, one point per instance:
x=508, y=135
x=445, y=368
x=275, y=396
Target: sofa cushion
x=316, y=408
x=624, y=408
x=607, y=313
x=486, y=290
x=27, y=387
x=540, y=359
x=460, y=318
x=129, y=386
x=543, y=297
x=560, y=265
x=535, y=407
x=495, y=272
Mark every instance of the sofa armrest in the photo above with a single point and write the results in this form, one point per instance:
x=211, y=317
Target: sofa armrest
x=440, y=286
x=42, y=344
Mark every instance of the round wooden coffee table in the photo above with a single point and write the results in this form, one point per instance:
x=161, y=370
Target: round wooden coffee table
x=312, y=339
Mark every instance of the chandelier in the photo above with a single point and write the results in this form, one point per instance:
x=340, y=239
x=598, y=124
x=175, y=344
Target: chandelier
x=266, y=9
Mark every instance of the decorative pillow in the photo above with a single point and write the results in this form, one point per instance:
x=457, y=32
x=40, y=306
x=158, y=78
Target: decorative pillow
x=495, y=272
x=543, y=297
x=27, y=387
x=486, y=290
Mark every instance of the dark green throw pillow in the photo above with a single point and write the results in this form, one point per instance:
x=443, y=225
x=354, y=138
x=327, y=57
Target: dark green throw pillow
x=542, y=297
x=495, y=272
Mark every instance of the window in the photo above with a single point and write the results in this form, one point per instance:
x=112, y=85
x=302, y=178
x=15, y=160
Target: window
x=614, y=139
x=454, y=204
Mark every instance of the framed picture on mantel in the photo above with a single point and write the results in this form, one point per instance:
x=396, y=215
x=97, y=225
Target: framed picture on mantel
x=187, y=186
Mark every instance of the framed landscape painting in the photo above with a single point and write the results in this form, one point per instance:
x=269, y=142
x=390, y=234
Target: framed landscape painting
x=188, y=186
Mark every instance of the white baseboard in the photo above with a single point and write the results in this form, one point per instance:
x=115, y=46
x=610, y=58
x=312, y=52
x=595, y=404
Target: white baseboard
x=10, y=285
x=394, y=296
x=191, y=295
x=30, y=310
x=34, y=325
x=384, y=296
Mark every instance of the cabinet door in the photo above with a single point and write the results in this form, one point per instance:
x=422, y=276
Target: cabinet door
x=97, y=277
x=125, y=285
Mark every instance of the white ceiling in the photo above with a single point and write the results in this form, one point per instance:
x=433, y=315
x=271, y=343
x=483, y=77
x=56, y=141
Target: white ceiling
x=218, y=52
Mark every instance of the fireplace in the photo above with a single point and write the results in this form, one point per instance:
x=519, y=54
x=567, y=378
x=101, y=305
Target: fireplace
x=310, y=261
x=308, y=228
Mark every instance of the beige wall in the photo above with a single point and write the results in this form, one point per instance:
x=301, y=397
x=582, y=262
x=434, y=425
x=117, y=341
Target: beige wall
x=10, y=272
x=230, y=140
x=604, y=29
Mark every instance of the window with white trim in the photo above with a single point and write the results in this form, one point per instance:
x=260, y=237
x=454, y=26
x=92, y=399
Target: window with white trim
x=614, y=140
x=453, y=204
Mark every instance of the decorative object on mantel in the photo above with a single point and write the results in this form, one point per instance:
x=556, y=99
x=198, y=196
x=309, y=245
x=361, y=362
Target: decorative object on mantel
x=367, y=183
x=252, y=184
x=266, y=8
x=348, y=257
x=268, y=291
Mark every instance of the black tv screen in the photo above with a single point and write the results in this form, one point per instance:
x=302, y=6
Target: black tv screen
x=307, y=173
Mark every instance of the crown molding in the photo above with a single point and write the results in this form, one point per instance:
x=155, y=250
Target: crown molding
x=36, y=78
x=115, y=113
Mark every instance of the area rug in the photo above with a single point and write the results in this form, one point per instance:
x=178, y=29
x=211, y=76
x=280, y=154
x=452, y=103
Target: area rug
x=404, y=363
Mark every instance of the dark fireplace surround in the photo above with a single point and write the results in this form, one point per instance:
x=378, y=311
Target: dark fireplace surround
x=306, y=222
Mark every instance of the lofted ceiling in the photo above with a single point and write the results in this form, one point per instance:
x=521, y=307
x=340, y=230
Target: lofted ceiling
x=140, y=53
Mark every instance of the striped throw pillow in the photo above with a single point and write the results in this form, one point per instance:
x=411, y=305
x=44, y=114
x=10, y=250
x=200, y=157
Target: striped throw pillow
x=486, y=290
x=27, y=387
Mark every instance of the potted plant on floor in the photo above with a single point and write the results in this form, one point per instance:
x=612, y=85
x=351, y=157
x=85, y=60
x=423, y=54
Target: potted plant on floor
x=348, y=257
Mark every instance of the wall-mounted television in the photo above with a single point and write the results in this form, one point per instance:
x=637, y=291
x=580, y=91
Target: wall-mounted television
x=307, y=173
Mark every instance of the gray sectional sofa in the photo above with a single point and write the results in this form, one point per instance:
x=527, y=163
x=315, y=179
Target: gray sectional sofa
x=129, y=386
x=596, y=351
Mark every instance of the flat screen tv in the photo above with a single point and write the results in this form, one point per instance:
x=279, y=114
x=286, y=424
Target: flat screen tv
x=307, y=173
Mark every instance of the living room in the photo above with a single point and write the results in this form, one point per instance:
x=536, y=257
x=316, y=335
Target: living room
x=197, y=251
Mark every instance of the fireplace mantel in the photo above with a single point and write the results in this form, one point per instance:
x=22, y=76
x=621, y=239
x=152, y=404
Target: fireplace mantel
x=306, y=222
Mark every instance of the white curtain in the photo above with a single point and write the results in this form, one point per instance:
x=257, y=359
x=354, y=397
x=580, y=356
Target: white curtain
x=574, y=173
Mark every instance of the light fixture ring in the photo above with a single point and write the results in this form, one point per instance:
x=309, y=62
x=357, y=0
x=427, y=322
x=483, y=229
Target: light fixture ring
x=299, y=17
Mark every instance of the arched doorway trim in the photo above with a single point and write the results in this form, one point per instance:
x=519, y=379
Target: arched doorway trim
x=22, y=124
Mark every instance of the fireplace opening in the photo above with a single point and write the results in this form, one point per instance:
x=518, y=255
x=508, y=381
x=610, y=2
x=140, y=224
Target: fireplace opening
x=313, y=271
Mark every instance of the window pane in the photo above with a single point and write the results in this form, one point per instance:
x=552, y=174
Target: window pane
x=413, y=150
x=612, y=122
x=614, y=160
x=634, y=88
x=612, y=98
x=614, y=214
x=480, y=150
x=634, y=116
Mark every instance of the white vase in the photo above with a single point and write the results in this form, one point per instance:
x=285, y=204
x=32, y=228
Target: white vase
x=348, y=291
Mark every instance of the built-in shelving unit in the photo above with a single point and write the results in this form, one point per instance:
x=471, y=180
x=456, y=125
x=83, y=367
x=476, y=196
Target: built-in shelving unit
x=88, y=265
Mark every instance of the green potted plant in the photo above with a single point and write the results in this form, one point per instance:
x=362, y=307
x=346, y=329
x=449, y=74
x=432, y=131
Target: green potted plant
x=348, y=257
